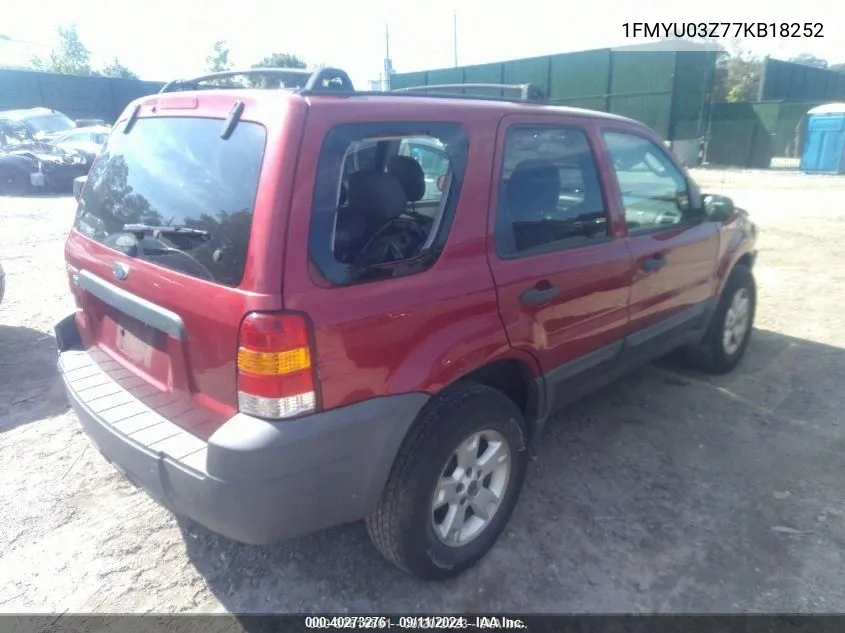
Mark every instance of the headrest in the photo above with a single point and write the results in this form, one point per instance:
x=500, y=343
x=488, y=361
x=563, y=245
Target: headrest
x=410, y=176
x=376, y=194
x=534, y=186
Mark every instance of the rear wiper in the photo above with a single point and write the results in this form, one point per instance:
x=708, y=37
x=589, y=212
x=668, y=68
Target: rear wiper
x=156, y=231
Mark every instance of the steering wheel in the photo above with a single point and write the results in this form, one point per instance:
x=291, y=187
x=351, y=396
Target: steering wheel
x=391, y=243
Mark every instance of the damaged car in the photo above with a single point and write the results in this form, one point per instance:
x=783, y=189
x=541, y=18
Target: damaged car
x=87, y=140
x=28, y=165
x=42, y=124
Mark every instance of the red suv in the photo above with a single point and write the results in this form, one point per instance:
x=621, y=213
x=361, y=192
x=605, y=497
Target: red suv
x=306, y=306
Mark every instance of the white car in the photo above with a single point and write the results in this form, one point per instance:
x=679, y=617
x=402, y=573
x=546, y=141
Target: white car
x=88, y=140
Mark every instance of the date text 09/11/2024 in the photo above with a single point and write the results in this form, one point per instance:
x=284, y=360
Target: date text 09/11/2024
x=724, y=29
x=413, y=622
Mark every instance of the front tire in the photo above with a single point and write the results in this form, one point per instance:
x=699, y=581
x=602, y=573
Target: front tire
x=730, y=329
x=454, y=484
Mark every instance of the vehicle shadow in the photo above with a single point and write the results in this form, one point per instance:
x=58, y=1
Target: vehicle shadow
x=30, y=389
x=656, y=494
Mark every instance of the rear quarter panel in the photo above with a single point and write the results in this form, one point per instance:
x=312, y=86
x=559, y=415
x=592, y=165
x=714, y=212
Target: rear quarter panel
x=414, y=333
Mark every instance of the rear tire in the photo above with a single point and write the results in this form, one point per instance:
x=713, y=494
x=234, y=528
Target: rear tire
x=730, y=329
x=435, y=485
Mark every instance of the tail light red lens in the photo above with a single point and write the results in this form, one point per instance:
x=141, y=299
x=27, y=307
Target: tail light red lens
x=275, y=372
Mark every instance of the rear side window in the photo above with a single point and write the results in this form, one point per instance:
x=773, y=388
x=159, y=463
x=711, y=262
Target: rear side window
x=384, y=198
x=172, y=192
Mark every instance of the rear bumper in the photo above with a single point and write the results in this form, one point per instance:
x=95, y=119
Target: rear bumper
x=253, y=481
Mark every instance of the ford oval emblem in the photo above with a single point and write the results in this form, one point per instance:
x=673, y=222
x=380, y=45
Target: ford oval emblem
x=120, y=271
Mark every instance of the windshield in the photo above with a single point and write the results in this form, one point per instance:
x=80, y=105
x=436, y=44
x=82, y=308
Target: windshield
x=50, y=123
x=177, y=173
x=13, y=133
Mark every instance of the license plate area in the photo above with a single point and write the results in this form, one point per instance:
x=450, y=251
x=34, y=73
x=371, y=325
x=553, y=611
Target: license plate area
x=142, y=347
x=135, y=340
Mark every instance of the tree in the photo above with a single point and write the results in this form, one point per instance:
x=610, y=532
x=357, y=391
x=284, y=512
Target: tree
x=276, y=60
x=280, y=60
x=115, y=69
x=737, y=74
x=219, y=59
x=742, y=77
x=70, y=57
x=808, y=59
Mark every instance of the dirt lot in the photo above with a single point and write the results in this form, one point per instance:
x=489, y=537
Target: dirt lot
x=666, y=492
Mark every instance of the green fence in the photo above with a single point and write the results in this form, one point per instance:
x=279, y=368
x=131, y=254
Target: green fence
x=669, y=91
x=797, y=82
x=750, y=134
x=77, y=96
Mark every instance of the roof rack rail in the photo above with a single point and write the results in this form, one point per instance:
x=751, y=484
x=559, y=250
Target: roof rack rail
x=527, y=92
x=331, y=80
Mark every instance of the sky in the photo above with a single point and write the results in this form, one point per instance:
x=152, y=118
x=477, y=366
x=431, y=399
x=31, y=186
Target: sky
x=165, y=39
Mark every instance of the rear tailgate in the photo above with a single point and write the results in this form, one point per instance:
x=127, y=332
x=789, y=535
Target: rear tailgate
x=160, y=257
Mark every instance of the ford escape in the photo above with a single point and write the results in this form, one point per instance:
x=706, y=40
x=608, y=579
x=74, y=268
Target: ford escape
x=303, y=306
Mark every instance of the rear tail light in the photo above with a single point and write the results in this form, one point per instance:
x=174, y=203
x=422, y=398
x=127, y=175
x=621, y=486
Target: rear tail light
x=275, y=368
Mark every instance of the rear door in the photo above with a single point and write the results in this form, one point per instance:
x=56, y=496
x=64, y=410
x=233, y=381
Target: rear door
x=560, y=263
x=673, y=247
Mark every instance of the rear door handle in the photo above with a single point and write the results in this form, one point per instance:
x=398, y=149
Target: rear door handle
x=536, y=296
x=653, y=263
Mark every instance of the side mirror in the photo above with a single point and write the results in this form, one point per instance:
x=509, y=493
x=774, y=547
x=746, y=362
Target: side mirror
x=718, y=208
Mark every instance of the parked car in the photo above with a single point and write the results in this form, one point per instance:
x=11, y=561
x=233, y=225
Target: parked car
x=329, y=347
x=38, y=123
x=86, y=140
x=30, y=158
x=29, y=166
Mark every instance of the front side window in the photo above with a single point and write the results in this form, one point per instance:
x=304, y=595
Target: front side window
x=550, y=196
x=384, y=198
x=655, y=194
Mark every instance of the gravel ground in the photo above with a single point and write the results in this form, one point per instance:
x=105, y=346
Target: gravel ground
x=668, y=491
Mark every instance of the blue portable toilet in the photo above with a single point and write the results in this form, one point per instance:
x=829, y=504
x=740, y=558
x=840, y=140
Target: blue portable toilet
x=824, y=144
